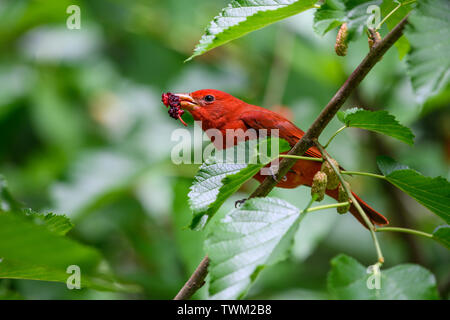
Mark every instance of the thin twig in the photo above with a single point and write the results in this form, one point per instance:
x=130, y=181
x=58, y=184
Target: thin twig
x=328, y=206
x=366, y=174
x=374, y=55
x=406, y=230
x=334, y=135
x=195, y=282
x=392, y=12
x=300, y=157
x=308, y=207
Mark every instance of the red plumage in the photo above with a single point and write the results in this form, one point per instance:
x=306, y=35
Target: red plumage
x=219, y=110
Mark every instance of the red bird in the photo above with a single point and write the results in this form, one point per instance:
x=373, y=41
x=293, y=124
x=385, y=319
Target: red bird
x=219, y=110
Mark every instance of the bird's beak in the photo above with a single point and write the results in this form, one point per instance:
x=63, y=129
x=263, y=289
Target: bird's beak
x=186, y=101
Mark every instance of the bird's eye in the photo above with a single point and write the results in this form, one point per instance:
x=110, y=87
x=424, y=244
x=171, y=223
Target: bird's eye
x=209, y=98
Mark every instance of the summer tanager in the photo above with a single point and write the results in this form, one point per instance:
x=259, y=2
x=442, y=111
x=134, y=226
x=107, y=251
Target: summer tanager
x=219, y=110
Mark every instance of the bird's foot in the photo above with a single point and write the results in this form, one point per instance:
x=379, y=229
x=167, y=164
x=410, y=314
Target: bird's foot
x=239, y=203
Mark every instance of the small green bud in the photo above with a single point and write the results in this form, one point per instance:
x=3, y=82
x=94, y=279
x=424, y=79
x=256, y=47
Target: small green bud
x=343, y=197
x=319, y=185
x=333, y=179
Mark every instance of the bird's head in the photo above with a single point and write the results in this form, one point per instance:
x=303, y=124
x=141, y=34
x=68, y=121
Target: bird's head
x=209, y=104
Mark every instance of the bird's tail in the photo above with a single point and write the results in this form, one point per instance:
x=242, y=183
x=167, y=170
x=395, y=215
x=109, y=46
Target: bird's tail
x=374, y=216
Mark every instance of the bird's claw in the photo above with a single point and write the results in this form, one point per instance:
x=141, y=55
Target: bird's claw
x=239, y=202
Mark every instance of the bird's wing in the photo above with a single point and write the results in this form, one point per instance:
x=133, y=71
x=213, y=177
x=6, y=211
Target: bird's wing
x=266, y=119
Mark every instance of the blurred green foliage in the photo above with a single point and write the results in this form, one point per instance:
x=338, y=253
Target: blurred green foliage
x=83, y=133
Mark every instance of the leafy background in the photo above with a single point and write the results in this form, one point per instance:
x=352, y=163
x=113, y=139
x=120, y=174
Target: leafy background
x=83, y=133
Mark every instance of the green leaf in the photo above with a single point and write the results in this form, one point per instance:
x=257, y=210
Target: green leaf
x=58, y=224
x=30, y=251
x=333, y=13
x=219, y=177
x=10, y=269
x=22, y=240
x=348, y=279
x=377, y=121
x=428, y=61
x=387, y=6
x=388, y=165
x=433, y=193
x=245, y=241
x=244, y=16
x=442, y=235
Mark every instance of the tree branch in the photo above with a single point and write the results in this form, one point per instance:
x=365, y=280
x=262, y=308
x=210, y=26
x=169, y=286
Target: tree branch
x=195, y=282
x=374, y=55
